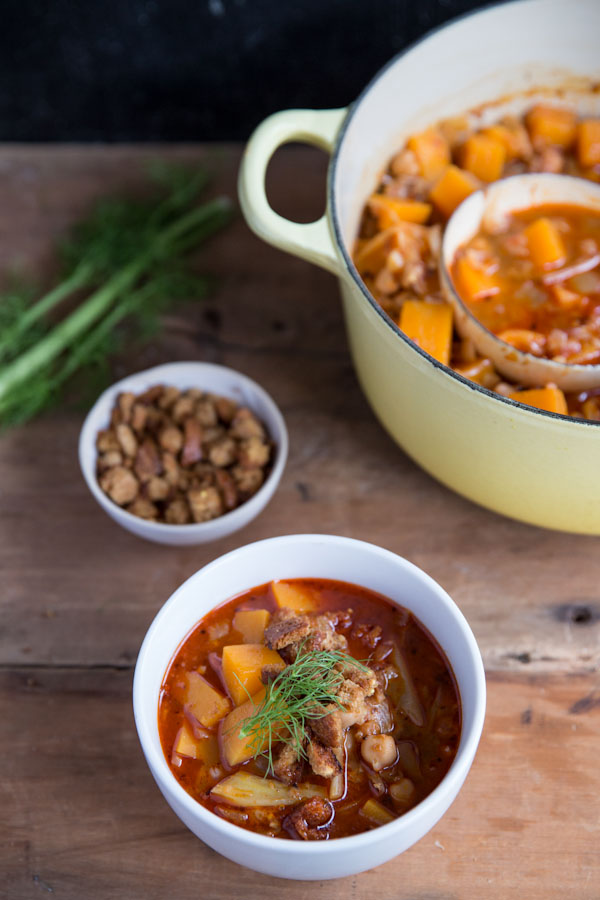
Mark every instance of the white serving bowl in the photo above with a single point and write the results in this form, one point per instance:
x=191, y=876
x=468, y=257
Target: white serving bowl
x=314, y=556
x=208, y=377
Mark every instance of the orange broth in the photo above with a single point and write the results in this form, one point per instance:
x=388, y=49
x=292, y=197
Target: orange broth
x=535, y=282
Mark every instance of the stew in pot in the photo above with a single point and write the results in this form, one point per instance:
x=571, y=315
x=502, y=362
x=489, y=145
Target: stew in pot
x=399, y=239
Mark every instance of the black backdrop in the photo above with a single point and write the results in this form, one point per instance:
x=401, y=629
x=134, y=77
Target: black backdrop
x=121, y=70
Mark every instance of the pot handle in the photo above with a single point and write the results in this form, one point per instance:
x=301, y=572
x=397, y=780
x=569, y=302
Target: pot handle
x=314, y=241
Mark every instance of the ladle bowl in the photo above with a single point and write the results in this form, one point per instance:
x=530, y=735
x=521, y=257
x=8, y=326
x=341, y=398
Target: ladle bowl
x=489, y=207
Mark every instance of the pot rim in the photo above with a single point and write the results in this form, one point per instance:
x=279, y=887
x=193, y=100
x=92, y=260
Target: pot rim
x=349, y=264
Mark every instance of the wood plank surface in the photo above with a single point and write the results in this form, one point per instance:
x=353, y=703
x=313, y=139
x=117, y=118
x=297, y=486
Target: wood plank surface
x=81, y=817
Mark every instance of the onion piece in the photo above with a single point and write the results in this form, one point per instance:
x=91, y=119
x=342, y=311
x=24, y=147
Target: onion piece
x=587, y=283
x=582, y=265
x=402, y=691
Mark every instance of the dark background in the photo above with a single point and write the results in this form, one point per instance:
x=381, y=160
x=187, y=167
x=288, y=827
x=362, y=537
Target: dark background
x=191, y=70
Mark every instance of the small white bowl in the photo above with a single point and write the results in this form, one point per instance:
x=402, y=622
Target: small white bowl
x=314, y=556
x=208, y=377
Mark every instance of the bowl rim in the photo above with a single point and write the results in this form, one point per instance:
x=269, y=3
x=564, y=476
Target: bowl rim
x=450, y=783
x=445, y=371
x=88, y=434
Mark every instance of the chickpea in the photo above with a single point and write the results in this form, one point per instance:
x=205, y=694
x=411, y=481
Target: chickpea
x=379, y=751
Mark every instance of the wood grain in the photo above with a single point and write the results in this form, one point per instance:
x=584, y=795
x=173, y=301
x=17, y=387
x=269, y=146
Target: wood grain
x=86, y=819
x=81, y=816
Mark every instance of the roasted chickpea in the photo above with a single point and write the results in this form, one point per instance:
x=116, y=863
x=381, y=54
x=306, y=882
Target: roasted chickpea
x=379, y=751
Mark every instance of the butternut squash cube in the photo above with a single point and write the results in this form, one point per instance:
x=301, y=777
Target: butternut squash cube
x=484, y=156
x=242, y=667
x=293, y=596
x=371, y=255
x=451, y=189
x=474, y=284
x=481, y=371
x=551, y=399
x=551, y=125
x=432, y=151
x=545, y=243
x=430, y=326
x=251, y=624
x=185, y=743
x=389, y=211
x=205, y=749
x=588, y=142
x=236, y=748
x=203, y=701
x=505, y=136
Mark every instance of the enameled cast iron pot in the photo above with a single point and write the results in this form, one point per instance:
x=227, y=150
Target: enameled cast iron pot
x=536, y=466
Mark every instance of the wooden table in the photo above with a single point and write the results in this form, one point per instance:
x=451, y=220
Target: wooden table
x=81, y=817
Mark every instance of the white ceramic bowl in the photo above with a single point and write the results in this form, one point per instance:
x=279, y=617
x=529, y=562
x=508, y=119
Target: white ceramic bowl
x=315, y=556
x=208, y=377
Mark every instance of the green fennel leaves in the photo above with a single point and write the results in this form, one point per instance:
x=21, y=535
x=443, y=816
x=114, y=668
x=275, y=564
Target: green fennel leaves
x=127, y=261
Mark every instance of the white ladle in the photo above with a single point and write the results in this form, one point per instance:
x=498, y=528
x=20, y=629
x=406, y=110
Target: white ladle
x=491, y=205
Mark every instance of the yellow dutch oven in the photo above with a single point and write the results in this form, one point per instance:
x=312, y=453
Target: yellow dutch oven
x=535, y=466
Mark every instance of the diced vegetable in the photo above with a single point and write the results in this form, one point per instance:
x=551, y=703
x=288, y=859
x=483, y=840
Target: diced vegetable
x=588, y=142
x=204, y=749
x=372, y=254
x=185, y=743
x=473, y=283
x=505, y=136
x=376, y=813
x=564, y=297
x=430, y=326
x=402, y=691
x=484, y=157
x=389, y=211
x=545, y=243
x=203, y=701
x=481, y=371
x=402, y=791
x=552, y=125
x=244, y=789
x=551, y=399
x=337, y=787
x=242, y=667
x=590, y=409
x=524, y=339
x=293, y=596
x=237, y=749
x=432, y=151
x=451, y=189
x=251, y=624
